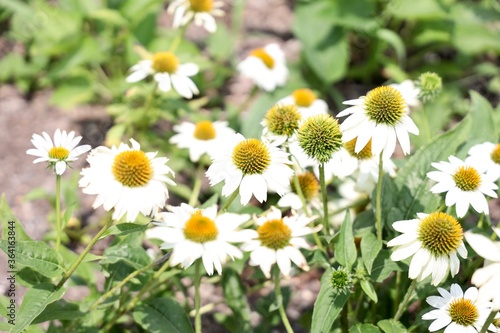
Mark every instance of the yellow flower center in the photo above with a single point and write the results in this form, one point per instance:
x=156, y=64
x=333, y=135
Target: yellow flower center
x=200, y=229
x=304, y=97
x=308, y=184
x=165, y=62
x=201, y=5
x=204, y=130
x=364, y=154
x=274, y=234
x=58, y=153
x=467, y=178
x=495, y=154
x=385, y=105
x=251, y=156
x=264, y=56
x=283, y=119
x=463, y=312
x=440, y=233
x=132, y=168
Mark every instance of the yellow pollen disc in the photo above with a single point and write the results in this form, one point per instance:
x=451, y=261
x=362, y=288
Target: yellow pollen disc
x=304, y=97
x=283, y=119
x=132, y=168
x=200, y=229
x=274, y=234
x=201, y=5
x=385, y=105
x=467, y=178
x=204, y=130
x=251, y=156
x=165, y=62
x=365, y=153
x=463, y=312
x=59, y=153
x=495, y=154
x=440, y=233
x=264, y=56
x=308, y=184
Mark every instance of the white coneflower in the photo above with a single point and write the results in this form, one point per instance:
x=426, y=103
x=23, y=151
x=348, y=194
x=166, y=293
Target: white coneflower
x=201, y=11
x=306, y=101
x=486, y=157
x=409, y=92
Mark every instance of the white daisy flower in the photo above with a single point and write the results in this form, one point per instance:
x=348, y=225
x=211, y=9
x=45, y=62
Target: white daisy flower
x=409, y=92
x=459, y=312
x=487, y=279
x=281, y=123
x=167, y=71
x=251, y=165
x=307, y=103
x=277, y=240
x=127, y=179
x=202, y=11
x=266, y=67
x=59, y=152
x=309, y=186
x=434, y=241
x=464, y=185
x=200, y=233
x=486, y=157
x=381, y=115
x=202, y=137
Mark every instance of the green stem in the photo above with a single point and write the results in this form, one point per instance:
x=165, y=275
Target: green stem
x=427, y=130
x=193, y=200
x=378, y=209
x=344, y=322
x=197, y=282
x=177, y=41
x=397, y=291
x=279, y=299
x=78, y=261
x=488, y=321
x=58, y=211
x=244, y=105
x=404, y=304
x=229, y=200
x=322, y=183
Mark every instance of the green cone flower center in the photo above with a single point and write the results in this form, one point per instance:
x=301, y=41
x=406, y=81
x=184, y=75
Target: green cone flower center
x=463, y=312
x=274, y=234
x=251, y=156
x=283, y=119
x=364, y=154
x=341, y=280
x=264, y=56
x=201, y=5
x=165, y=62
x=204, y=130
x=467, y=178
x=58, y=153
x=440, y=233
x=304, y=97
x=308, y=184
x=200, y=229
x=495, y=154
x=320, y=136
x=385, y=105
x=132, y=168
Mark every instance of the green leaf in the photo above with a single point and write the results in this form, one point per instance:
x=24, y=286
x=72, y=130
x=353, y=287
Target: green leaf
x=391, y=326
x=345, y=251
x=35, y=301
x=221, y=43
x=395, y=41
x=108, y=16
x=6, y=216
x=327, y=306
x=59, y=310
x=72, y=92
x=124, y=229
x=422, y=9
x=134, y=256
x=369, y=289
x=370, y=248
x=162, y=315
x=251, y=127
x=389, y=198
x=28, y=276
x=37, y=255
x=235, y=297
x=383, y=266
x=364, y=328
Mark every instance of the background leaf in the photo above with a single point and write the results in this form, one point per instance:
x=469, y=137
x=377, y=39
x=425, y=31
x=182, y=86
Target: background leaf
x=345, y=250
x=162, y=315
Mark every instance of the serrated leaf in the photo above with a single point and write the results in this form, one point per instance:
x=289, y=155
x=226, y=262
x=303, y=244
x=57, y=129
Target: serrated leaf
x=234, y=295
x=327, y=306
x=162, y=315
x=370, y=248
x=383, y=266
x=345, y=251
x=124, y=229
x=38, y=256
x=364, y=328
x=35, y=301
x=391, y=326
x=369, y=290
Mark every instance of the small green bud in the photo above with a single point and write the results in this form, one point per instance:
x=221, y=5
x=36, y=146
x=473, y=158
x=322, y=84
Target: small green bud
x=320, y=137
x=341, y=280
x=430, y=85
